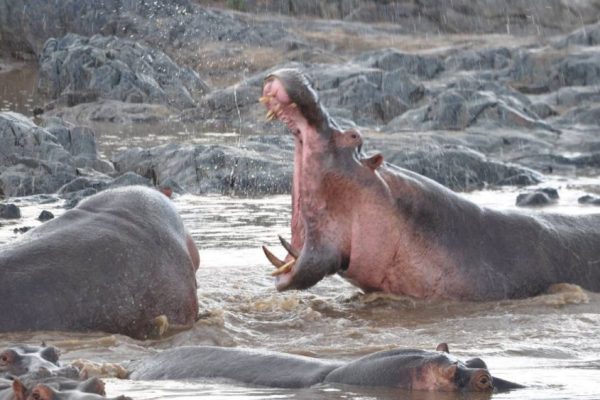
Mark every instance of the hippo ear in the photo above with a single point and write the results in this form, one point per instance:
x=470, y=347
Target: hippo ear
x=476, y=363
x=51, y=354
x=42, y=392
x=373, y=162
x=93, y=385
x=19, y=390
x=443, y=347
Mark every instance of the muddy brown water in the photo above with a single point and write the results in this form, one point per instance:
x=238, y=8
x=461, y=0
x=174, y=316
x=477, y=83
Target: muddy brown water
x=549, y=343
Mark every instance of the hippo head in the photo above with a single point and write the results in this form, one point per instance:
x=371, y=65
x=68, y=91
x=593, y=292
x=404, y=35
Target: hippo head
x=331, y=176
x=23, y=359
x=412, y=369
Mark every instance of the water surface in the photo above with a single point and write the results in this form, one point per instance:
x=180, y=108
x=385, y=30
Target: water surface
x=549, y=343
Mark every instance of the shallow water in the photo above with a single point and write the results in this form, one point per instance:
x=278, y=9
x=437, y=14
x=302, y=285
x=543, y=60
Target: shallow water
x=549, y=343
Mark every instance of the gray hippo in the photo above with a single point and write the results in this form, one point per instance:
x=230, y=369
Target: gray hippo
x=385, y=228
x=91, y=389
x=403, y=369
x=120, y=262
x=34, y=372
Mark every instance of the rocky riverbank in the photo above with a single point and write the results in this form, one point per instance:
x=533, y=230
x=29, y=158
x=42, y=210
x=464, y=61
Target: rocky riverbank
x=494, y=104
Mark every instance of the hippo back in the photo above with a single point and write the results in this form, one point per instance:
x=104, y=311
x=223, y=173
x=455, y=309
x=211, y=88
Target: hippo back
x=113, y=263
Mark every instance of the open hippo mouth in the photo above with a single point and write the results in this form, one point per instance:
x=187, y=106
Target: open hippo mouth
x=328, y=164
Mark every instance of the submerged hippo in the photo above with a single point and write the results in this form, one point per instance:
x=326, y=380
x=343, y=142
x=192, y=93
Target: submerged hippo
x=120, y=262
x=33, y=372
x=23, y=359
x=403, y=369
x=385, y=228
x=91, y=389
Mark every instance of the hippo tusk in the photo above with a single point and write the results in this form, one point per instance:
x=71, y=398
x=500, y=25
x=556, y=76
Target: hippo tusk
x=271, y=115
x=291, y=251
x=284, y=268
x=264, y=100
x=277, y=263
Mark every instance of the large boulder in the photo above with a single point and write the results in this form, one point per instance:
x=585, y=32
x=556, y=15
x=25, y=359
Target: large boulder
x=36, y=159
x=32, y=160
x=118, y=69
x=261, y=166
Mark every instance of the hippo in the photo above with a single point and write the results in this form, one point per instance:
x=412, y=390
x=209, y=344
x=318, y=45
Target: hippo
x=22, y=359
x=385, y=228
x=119, y=262
x=91, y=389
x=407, y=369
x=34, y=372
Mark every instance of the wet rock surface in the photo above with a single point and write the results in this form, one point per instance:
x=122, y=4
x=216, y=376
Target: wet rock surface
x=117, y=69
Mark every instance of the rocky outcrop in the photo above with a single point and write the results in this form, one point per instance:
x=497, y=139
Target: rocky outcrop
x=260, y=166
x=481, y=16
x=538, y=198
x=461, y=168
x=117, y=69
x=36, y=159
x=31, y=158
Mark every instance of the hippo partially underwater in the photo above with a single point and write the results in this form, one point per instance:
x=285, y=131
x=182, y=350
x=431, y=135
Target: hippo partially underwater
x=34, y=373
x=385, y=228
x=406, y=369
x=120, y=262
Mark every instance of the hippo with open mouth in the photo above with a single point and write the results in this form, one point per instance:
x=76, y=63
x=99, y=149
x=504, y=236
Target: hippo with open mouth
x=385, y=228
x=407, y=369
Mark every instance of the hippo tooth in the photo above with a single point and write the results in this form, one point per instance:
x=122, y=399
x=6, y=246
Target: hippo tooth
x=271, y=115
x=284, y=268
x=272, y=259
x=264, y=99
x=292, y=105
x=286, y=245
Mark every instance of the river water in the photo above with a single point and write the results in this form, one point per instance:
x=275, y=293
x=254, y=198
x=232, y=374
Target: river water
x=548, y=343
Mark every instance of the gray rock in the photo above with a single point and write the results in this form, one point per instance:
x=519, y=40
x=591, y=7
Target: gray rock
x=589, y=199
x=80, y=142
x=9, y=211
x=391, y=60
x=246, y=171
x=112, y=111
x=466, y=103
x=586, y=36
x=45, y=215
x=116, y=69
x=537, y=198
x=31, y=158
x=462, y=169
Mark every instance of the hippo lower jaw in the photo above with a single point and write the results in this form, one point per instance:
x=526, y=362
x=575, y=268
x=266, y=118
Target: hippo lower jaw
x=304, y=269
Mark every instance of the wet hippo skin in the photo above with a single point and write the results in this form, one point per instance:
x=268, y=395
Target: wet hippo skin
x=385, y=228
x=408, y=369
x=115, y=263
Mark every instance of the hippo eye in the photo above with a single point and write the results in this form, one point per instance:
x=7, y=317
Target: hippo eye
x=482, y=381
x=4, y=359
x=354, y=136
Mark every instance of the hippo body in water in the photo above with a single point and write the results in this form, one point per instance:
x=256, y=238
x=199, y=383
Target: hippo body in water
x=120, y=262
x=403, y=369
x=385, y=228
